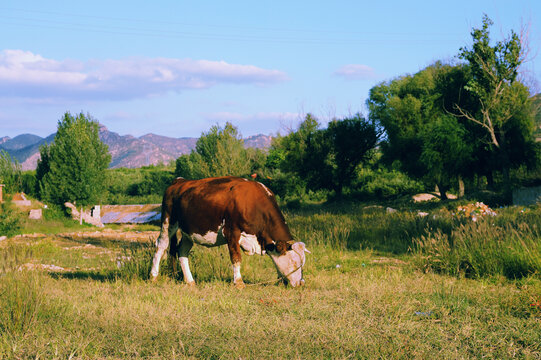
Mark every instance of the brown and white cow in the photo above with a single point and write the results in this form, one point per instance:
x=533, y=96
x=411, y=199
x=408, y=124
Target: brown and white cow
x=227, y=210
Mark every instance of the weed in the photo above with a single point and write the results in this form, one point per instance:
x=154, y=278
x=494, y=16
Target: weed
x=21, y=299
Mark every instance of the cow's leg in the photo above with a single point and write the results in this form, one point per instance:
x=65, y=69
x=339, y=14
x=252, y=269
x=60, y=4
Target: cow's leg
x=162, y=243
x=233, y=237
x=184, y=250
x=173, y=251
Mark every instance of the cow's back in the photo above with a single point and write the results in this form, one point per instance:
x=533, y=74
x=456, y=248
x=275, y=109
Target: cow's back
x=203, y=205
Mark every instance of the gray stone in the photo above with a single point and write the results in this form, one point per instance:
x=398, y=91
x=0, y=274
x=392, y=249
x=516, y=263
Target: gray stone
x=35, y=214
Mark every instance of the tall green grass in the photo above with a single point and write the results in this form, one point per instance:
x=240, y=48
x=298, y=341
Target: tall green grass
x=357, y=227
x=507, y=245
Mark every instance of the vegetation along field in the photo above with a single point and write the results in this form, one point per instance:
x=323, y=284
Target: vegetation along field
x=378, y=285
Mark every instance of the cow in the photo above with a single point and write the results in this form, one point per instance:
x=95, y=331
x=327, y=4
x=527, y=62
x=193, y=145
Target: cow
x=233, y=211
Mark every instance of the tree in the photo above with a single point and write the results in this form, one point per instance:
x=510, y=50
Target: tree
x=219, y=152
x=72, y=168
x=353, y=141
x=325, y=158
x=10, y=173
x=445, y=151
x=494, y=71
x=503, y=102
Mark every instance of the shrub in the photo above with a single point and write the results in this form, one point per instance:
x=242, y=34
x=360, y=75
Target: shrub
x=385, y=184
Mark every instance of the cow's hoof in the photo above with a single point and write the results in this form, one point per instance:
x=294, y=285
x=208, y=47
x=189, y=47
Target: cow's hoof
x=240, y=285
x=191, y=284
x=153, y=279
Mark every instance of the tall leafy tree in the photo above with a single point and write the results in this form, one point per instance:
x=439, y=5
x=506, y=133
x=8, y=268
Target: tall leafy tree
x=353, y=141
x=446, y=151
x=326, y=158
x=218, y=152
x=333, y=154
x=72, y=168
x=503, y=105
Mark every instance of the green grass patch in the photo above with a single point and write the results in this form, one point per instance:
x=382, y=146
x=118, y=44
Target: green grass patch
x=366, y=295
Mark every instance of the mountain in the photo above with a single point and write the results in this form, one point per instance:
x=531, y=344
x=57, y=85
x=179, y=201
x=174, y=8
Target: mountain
x=258, y=141
x=25, y=148
x=20, y=142
x=131, y=152
x=126, y=150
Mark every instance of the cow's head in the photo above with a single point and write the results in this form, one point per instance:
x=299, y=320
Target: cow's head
x=289, y=264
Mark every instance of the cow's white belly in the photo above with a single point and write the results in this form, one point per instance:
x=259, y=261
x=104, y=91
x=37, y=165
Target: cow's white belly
x=247, y=242
x=209, y=239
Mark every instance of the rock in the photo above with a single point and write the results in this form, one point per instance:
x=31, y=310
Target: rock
x=423, y=197
x=35, y=214
x=390, y=210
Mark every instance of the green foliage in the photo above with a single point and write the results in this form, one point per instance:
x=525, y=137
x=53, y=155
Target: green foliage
x=154, y=181
x=30, y=184
x=446, y=151
x=73, y=167
x=412, y=110
x=219, y=152
x=144, y=185
x=325, y=158
x=382, y=183
x=353, y=142
x=10, y=220
x=10, y=173
x=503, y=108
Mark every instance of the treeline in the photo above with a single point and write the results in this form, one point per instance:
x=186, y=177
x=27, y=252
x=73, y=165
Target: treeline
x=460, y=127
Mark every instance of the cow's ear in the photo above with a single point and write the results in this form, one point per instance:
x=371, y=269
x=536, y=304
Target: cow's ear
x=270, y=247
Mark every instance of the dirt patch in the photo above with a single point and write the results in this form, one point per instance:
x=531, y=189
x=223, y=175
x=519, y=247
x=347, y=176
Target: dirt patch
x=46, y=267
x=109, y=234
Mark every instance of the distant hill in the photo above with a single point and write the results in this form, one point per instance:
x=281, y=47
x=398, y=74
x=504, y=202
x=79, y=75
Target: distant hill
x=258, y=141
x=126, y=150
x=20, y=141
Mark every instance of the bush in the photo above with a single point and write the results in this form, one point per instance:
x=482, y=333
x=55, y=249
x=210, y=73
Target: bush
x=385, y=184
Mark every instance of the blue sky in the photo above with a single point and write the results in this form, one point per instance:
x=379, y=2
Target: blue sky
x=176, y=68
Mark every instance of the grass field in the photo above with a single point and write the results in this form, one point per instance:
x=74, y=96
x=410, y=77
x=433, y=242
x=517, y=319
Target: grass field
x=374, y=289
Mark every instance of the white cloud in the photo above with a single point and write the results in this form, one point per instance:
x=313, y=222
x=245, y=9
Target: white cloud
x=24, y=74
x=356, y=72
